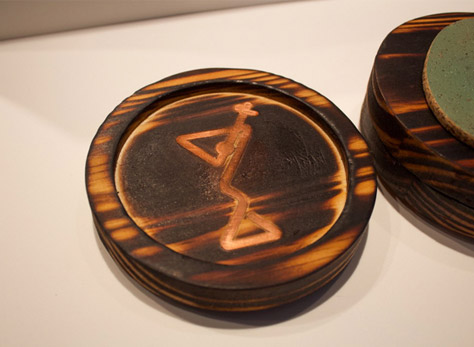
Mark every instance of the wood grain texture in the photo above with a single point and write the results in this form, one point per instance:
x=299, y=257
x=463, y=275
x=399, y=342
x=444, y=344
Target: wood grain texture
x=432, y=206
x=403, y=119
x=230, y=189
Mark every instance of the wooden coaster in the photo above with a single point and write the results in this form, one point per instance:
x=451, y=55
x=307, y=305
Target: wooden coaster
x=448, y=79
x=230, y=189
x=405, y=123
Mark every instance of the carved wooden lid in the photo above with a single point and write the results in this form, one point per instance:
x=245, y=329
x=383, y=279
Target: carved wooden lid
x=405, y=122
x=419, y=162
x=230, y=189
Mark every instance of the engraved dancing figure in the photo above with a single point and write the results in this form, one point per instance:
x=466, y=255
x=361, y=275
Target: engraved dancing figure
x=229, y=155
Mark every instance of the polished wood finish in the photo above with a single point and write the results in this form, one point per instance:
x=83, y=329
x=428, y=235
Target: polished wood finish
x=229, y=189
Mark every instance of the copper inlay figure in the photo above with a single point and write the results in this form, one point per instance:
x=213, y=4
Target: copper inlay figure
x=229, y=155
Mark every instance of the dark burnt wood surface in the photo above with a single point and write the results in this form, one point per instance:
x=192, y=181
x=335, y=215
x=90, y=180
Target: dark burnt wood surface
x=433, y=207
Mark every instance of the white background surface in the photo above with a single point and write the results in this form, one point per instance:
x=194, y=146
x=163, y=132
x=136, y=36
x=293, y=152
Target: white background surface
x=410, y=285
x=21, y=18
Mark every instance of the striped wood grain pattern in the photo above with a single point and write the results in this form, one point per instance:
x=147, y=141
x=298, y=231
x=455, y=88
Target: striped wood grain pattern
x=433, y=207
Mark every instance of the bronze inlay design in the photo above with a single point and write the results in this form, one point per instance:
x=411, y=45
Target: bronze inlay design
x=229, y=155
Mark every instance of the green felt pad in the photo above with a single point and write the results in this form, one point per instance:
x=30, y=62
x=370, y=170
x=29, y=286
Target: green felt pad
x=449, y=78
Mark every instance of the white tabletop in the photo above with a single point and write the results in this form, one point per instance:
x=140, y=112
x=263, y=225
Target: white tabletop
x=409, y=285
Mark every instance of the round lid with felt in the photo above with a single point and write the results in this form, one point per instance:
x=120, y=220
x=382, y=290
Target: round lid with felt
x=404, y=120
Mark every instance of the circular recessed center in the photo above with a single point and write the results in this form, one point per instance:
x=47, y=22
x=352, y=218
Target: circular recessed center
x=231, y=178
x=448, y=79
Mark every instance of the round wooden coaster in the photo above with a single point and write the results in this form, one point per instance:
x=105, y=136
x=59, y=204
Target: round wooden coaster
x=230, y=189
x=404, y=121
x=448, y=79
